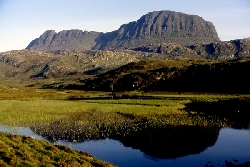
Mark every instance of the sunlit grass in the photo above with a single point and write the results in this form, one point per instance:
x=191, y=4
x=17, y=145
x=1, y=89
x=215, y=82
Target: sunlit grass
x=26, y=151
x=84, y=119
x=26, y=113
x=51, y=114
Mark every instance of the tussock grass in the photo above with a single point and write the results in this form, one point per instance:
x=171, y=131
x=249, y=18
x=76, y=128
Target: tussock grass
x=26, y=151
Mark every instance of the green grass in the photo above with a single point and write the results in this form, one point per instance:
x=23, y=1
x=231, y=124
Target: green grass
x=29, y=107
x=30, y=112
x=26, y=151
x=144, y=102
x=87, y=119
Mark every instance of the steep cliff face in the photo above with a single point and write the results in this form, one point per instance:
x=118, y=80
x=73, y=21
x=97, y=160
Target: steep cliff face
x=64, y=40
x=164, y=26
x=152, y=28
x=42, y=43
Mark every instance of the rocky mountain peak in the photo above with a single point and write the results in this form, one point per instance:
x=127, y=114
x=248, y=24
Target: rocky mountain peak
x=152, y=28
x=169, y=23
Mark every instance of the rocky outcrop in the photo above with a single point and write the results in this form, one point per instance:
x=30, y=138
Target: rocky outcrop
x=37, y=64
x=64, y=40
x=215, y=50
x=152, y=28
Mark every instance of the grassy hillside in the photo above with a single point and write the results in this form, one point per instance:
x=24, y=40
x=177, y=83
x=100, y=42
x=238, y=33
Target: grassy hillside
x=27, y=151
x=177, y=75
x=24, y=64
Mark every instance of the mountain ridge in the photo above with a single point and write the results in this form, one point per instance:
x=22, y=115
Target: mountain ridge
x=154, y=27
x=63, y=63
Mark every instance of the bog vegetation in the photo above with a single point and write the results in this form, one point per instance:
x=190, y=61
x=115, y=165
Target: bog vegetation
x=52, y=114
x=136, y=112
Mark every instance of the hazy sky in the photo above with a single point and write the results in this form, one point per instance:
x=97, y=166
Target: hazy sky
x=24, y=20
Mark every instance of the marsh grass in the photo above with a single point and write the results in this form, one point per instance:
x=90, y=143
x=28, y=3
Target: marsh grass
x=30, y=112
x=87, y=119
x=92, y=126
x=52, y=115
x=144, y=102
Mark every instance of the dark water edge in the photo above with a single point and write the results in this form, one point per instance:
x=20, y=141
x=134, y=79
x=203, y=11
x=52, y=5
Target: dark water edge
x=232, y=145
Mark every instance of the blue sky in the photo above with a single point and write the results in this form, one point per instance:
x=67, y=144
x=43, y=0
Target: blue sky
x=24, y=20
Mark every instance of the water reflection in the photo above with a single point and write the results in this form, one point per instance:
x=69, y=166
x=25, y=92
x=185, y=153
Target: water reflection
x=172, y=142
x=232, y=145
x=167, y=142
x=24, y=131
x=228, y=145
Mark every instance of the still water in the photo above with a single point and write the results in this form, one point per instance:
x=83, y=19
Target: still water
x=231, y=145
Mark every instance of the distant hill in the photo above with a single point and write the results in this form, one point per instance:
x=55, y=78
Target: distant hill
x=55, y=64
x=185, y=75
x=215, y=50
x=152, y=28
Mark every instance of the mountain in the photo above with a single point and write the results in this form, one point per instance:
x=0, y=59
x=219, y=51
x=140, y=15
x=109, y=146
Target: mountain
x=64, y=40
x=64, y=63
x=164, y=27
x=152, y=28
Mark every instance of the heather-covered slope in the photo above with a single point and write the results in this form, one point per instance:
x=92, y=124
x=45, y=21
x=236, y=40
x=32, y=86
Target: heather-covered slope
x=177, y=75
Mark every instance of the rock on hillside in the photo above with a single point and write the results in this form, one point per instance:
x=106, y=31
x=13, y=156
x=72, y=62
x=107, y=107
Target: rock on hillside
x=154, y=27
x=216, y=50
x=37, y=64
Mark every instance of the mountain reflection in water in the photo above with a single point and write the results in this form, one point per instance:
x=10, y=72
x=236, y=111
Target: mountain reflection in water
x=168, y=142
x=183, y=146
x=172, y=142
